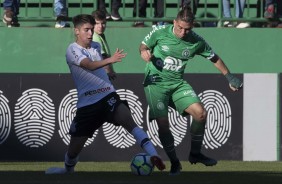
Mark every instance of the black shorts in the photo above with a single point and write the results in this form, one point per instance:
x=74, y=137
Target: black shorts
x=91, y=117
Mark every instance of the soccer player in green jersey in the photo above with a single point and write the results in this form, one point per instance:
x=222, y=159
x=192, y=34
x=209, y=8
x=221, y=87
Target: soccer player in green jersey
x=167, y=49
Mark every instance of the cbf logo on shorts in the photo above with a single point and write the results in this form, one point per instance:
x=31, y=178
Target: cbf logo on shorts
x=170, y=63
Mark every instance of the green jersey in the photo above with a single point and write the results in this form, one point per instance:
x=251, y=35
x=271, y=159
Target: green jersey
x=105, y=50
x=171, y=53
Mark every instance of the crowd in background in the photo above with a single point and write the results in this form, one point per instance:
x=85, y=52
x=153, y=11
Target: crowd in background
x=272, y=12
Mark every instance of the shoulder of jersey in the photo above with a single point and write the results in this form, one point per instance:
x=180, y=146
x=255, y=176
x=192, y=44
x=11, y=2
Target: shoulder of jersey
x=95, y=45
x=162, y=28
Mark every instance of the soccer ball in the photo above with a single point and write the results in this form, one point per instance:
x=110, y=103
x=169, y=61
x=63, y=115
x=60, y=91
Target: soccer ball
x=141, y=164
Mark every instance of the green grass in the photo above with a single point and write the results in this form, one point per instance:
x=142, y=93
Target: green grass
x=233, y=172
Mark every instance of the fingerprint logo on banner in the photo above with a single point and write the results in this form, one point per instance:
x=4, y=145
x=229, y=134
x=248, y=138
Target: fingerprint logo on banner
x=66, y=113
x=5, y=118
x=218, y=126
x=117, y=135
x=178, y=126
x=34, y=118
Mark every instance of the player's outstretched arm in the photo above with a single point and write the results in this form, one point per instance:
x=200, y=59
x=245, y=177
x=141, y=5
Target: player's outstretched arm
x=234, y=83
x=93, y=65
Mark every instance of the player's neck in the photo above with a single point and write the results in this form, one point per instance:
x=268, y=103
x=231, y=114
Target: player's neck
x=84, y=45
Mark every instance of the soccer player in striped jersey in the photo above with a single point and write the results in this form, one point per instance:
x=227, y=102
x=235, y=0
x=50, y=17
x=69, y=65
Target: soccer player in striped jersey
x=98, y=101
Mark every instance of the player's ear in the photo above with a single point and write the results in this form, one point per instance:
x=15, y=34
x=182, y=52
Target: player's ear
x=76, y=31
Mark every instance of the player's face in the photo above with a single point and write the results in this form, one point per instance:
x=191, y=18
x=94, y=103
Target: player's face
x=181, y=28
x=84, y=34
x=100, y=26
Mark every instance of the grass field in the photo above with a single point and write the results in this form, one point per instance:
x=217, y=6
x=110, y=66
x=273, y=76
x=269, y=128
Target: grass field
x=227, y=172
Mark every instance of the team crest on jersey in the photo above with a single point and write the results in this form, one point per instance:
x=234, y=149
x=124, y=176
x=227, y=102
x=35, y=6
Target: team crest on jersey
x=186, y=53
x=160, y=105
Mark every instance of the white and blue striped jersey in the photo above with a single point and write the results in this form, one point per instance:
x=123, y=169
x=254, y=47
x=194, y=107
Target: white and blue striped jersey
x=91, y=85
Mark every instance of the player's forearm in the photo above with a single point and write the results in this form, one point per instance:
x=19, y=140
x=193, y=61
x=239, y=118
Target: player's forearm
x=145, y=53
x=96, y=64
x=143, y=47
x=219, y=64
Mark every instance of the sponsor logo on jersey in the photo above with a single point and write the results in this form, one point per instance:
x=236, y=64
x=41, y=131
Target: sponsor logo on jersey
x=165, y=48
x=170, y=63
x=190, y=92
x=154, y=30
x=73, y=53
x=211, y=55
x=93, y=92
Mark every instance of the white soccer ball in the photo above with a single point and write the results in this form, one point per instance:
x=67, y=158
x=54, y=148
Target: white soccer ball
x=141, y=164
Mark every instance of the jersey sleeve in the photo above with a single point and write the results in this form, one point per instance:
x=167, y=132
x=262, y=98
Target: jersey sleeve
x=207, y=51
x=204, y=49
x=75, y=55
x=151, y=39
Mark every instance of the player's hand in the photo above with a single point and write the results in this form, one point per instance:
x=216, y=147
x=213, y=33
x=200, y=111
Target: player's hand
x=118, y=55
x=234, y=83
x=146, y=55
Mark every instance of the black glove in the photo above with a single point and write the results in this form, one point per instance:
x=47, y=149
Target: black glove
x=234, y=83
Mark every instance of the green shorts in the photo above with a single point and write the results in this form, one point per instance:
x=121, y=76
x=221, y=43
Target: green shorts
x=178, y=96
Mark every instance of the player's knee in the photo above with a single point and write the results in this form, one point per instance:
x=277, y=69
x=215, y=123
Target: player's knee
x=201, y=116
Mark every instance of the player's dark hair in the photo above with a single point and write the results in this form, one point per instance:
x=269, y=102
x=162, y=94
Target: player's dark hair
x=81, y=19
x=99, y=15
x=186, y=15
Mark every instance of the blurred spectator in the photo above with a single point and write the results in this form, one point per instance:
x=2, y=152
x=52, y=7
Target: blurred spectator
x=272, y=12
x=269, y=9
x=192, y=3
x=158, y=11
x=114, y=11
x=11, y=11
x=240, y=5
x=142, y=4
x=273, y=9
x=99, y=36
x=61, y=13
x=279, y=9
